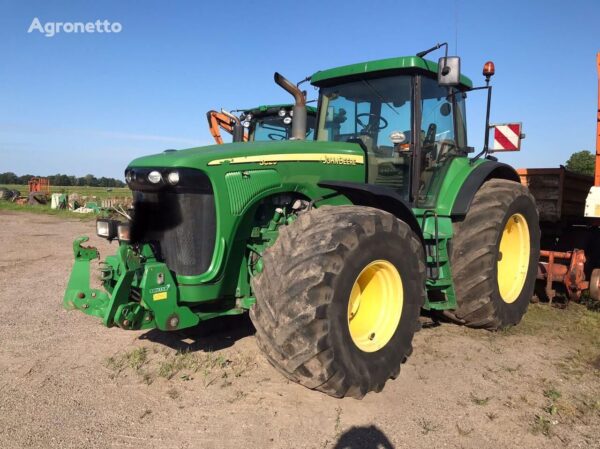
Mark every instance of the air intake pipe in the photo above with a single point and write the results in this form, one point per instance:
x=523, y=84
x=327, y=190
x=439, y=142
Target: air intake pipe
x=299, y=118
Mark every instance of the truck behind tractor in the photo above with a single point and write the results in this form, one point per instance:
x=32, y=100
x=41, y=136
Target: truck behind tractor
x=333, y=245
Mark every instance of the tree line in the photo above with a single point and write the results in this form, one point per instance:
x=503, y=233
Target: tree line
x=63, y=180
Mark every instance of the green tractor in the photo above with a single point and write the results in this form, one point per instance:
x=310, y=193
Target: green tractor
x=262, y=123
x=333, y=246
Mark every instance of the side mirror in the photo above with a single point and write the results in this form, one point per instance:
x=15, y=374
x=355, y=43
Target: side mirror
x=449, y=71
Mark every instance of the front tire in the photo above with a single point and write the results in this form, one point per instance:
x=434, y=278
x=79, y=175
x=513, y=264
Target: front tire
x=339, y=298
x=495, y=251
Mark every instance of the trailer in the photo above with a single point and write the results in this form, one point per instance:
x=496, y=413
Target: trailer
x=570, y=242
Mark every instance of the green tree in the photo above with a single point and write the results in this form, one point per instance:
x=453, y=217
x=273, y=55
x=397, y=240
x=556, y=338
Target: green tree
x=581, y=162
x=8, y=178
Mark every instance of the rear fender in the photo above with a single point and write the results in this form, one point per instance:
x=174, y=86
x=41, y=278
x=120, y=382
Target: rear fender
x=481, y=174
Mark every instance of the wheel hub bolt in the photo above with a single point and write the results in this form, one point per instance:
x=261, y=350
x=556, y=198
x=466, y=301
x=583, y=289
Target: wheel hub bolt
x=372, y=336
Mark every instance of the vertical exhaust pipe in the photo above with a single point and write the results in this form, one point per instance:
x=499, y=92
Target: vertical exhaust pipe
x=299, y=119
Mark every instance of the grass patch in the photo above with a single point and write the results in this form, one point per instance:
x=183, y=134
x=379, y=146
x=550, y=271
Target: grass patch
x=45, y=209
x=338, y=420
x=479, y=401
x=133, y=359
x=427, y=426
x=90, y=193
x=577, y=324
x=98, y=192
x=576, y=320
x=191, y=362
x=491, y=416
x=541, y=425
x=136, y=358
x=184, y=366
x=173, y=393
x=552, y=394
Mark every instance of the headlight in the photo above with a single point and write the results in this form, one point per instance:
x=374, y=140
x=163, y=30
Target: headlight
x=173, y=177
x=246, y=124
x=106, y=228
x=281, y=113
x=287, y=120
x=124, y=232
x=248, y=117
x=129, y=176
x=154, y=177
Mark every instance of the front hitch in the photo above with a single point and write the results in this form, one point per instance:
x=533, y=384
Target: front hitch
x=140, y=293
x=79, y=294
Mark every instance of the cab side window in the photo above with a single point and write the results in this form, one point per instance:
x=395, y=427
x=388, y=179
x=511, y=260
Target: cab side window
x=442, y=135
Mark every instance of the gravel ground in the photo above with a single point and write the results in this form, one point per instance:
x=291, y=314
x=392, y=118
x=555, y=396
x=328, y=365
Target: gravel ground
x=68, y=382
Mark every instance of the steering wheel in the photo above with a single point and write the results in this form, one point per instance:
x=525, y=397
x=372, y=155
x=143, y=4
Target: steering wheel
x=368, y=127
x=274, y=136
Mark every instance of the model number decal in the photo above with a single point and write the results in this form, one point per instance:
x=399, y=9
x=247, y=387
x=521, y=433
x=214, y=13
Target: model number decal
x=163, y=288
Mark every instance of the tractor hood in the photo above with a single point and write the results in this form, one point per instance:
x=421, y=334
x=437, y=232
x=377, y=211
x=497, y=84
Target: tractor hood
x=255, y=153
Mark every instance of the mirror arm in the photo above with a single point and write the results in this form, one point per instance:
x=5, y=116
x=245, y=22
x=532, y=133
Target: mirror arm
x=485, y=150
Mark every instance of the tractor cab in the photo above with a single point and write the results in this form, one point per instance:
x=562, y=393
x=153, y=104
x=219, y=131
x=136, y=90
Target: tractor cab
x=275, y=122
x=408, y=124
x=263, y=123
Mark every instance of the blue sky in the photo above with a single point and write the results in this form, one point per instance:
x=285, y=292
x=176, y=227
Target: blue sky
x=89, y=103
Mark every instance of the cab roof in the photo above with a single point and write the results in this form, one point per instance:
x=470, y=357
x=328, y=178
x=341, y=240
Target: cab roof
x=274, y=108
x=379, y=66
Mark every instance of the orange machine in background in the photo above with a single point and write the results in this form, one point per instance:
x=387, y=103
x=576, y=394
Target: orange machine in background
x=41, y=185
x=222, y=120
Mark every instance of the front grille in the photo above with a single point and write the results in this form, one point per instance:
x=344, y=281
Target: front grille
x=180, y=224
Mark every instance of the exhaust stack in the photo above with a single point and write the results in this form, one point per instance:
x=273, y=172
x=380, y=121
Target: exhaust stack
x=299, y=119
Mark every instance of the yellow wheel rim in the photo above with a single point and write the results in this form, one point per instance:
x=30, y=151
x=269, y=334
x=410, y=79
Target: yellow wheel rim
x=513, y=258
x=375, y=306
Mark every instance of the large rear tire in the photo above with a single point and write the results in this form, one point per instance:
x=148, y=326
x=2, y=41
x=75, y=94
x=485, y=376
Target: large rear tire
x=494, y=256
x=339, y=297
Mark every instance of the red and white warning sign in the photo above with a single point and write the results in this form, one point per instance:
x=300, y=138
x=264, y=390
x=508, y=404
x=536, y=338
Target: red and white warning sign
x=507, y=137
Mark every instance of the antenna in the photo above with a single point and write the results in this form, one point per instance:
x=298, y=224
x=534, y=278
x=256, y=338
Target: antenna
x=456, y=27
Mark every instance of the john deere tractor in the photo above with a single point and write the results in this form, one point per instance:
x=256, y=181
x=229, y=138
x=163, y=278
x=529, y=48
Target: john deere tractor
x=267, y=122
x=335, y=245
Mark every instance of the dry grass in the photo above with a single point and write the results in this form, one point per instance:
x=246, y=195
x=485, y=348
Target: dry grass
x=207, y=367
x=577, y=324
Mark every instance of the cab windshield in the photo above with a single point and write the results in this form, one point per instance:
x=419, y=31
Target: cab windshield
x=272, y=127
x=376, y=113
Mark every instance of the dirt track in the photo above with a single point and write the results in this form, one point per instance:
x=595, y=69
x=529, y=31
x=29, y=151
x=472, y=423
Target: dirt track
x=68, y=382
